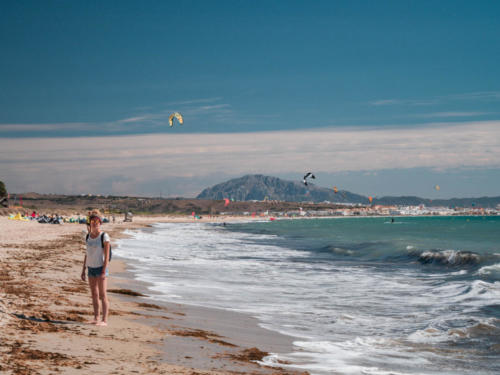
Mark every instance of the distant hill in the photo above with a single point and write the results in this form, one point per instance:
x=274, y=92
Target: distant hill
x=260, y=187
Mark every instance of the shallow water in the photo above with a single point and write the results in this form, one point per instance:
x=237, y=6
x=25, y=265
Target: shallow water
x=362, y=295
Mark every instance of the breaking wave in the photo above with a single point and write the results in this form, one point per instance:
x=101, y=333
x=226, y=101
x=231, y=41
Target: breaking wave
x=447, y=257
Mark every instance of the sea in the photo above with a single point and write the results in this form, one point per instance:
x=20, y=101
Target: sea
x=360, y=295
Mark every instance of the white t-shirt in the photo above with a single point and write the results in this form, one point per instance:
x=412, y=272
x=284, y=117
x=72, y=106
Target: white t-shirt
x=95, y=252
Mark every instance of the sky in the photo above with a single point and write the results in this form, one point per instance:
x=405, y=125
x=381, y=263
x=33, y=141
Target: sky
x=378, y=98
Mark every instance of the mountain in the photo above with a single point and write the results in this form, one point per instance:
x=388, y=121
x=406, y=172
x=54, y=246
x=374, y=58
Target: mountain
x=260, y=187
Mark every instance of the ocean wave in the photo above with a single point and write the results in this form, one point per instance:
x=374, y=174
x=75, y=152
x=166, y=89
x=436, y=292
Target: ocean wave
x=478, y=294
x=494, y=269
x=350, y=304
x=459, y=273
x=348, y=357
x=364, y=250
x=486, y=328
x=341, y=251
x=447, y=257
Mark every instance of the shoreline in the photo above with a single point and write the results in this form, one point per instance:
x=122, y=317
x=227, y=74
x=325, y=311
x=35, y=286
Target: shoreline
x=234, y=328
x=43, y=314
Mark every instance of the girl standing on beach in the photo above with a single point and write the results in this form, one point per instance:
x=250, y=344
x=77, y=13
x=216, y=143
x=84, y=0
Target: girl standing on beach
x=96, y=260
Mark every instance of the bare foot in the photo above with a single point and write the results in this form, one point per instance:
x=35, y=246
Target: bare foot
x=102, y=324
x=95, y=321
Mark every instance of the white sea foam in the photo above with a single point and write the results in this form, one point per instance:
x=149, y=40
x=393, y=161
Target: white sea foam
x=488, y=270
x=349, y=357
x=480, y=293
x=338, y=250
x=432, y=335
x=458, y=273
x=436, y=333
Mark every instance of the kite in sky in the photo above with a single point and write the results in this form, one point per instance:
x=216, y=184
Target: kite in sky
x=306, y=176
x=177, y=116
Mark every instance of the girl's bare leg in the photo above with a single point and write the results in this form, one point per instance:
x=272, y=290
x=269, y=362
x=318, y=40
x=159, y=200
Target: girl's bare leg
x=94, y=290
x=103, y=283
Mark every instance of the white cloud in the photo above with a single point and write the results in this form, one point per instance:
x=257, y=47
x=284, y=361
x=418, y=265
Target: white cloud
x=410, y=102
x=196, y=101
x=452, y=114
x=81, y=164
x=192, y=109
x=466, y=97
x=43, y=127
x=135, y=119
x=222, y=112
x=386, y=102
x=212, y=107
x=480, y=95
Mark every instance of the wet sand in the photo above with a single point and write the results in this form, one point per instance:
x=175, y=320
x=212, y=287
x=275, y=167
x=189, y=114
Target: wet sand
x=44, y=307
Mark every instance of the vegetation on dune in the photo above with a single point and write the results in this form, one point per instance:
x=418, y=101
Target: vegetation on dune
x=3, y=195
x=3, y=190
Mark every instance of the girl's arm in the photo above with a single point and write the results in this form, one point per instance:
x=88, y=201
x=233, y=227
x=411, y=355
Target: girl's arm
x=83, y=268
x=106, y=258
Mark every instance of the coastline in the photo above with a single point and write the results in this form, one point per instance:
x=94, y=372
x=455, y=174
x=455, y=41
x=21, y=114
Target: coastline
x=43, y=314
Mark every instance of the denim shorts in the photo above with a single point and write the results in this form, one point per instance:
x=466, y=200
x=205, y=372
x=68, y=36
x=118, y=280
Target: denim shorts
x=96, y=271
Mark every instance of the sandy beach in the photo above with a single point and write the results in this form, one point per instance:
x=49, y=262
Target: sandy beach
x=44, y=307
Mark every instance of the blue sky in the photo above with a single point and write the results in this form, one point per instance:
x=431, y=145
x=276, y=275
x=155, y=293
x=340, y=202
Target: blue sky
x=98, y=70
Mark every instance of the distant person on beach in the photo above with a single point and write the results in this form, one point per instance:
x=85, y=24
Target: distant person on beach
x=96, y=261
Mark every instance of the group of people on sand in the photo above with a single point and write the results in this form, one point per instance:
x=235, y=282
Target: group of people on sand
x=41, y=218
x=48, y=219
x=95, y=267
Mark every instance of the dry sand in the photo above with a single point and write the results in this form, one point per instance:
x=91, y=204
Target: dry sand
x=44, y=307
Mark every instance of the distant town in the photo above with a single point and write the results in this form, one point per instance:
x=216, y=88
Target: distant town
x=374, y=210
x=69, y=205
